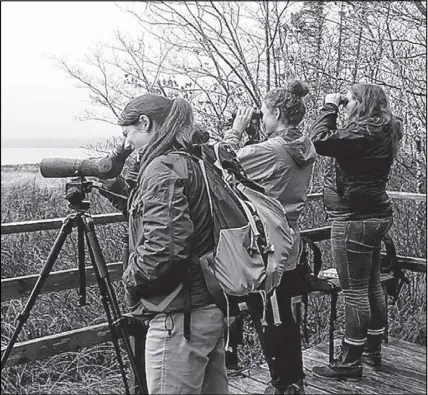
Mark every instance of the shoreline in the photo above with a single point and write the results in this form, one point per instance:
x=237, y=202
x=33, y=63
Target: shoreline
x=23, y=167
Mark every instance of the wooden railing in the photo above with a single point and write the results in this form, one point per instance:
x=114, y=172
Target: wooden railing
x=18, y=287
x=102, y=219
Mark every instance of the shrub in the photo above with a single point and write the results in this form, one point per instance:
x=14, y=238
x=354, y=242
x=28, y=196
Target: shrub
x=95, y=370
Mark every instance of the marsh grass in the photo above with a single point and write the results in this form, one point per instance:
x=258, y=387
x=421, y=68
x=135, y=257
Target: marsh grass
x=95, y=370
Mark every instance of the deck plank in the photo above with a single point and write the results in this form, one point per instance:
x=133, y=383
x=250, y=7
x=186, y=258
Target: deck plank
x=403, y=372
x=407, y=346
x=246, y=385
x=262, y=375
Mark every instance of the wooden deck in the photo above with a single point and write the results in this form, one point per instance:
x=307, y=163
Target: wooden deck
x=404, y=371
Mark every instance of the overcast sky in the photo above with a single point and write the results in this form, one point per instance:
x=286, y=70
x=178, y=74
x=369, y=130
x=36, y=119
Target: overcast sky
x=38, y=101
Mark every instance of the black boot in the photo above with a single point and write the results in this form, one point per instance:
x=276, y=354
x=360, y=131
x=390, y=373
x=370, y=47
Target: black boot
x=372, y=351
x=232, y=360
x=297, y=388
x=347, y=367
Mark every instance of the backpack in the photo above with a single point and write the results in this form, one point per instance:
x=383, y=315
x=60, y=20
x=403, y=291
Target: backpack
x=262, y=242
x=252, y=237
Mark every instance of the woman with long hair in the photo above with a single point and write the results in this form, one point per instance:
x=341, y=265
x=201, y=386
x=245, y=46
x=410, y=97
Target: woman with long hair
x=170, y=227
x=360, y=212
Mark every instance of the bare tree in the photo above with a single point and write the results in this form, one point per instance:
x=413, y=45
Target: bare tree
x=219, y=55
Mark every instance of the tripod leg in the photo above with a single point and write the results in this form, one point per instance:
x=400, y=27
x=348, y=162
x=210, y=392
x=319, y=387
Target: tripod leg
x=108, y=296
x=81, y=257
x=65, y=230
x=137, y=338
x=138, y=347
x=104, y=300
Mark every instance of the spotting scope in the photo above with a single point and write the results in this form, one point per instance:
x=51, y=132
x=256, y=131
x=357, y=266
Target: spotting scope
x=108, y=167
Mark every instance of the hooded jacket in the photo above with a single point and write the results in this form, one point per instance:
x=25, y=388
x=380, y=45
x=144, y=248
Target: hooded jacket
x=355, y=187
x=170, y=226
x=283, y=166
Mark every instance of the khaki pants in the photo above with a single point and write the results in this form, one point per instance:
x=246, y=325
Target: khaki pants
x=177, y=366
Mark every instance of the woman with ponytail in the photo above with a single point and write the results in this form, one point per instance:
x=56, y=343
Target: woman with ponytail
x=283, y=165
x=170, y=226
x=360, y=212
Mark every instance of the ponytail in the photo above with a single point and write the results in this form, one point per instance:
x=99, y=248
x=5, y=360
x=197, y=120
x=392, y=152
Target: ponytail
x=176, y=132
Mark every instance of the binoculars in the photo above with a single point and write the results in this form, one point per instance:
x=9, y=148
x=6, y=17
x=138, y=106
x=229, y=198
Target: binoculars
x=253, y=129
x=257, y=114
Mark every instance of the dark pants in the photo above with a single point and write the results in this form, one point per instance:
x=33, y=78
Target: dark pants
x=281, y=344
x=356, y=249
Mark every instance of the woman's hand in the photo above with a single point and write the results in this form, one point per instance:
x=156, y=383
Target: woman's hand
x=332, y=98
x=108, y=183
x=243, y=118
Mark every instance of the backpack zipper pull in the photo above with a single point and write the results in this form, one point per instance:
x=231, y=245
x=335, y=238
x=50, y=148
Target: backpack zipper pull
x=275, y=309
x=226, y=346
x=263, y=320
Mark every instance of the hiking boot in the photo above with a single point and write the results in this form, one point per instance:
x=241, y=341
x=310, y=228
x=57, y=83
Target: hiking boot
x=372, y=359
x=295, y=388
x=372, y=351
x=346, y=367
x=232, y=360
x=271, y=390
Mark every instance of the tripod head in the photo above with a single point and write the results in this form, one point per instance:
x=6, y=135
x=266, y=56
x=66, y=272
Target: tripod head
x=76, y=191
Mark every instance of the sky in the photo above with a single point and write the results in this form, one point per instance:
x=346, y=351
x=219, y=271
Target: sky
x=38, y=101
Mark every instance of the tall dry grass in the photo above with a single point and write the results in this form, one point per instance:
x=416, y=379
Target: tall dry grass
x=95, y=370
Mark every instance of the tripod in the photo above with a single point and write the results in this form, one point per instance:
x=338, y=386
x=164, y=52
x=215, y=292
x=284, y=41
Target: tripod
x=76, y=191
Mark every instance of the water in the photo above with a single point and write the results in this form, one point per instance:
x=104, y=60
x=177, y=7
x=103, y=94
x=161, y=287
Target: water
x=16, y=156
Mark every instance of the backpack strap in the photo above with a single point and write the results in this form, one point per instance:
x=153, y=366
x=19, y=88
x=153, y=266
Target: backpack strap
x=255, y=232
x=204, y=175
x=187, y=305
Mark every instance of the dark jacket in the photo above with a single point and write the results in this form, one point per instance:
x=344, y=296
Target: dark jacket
x=355, y=187
x=169, y=223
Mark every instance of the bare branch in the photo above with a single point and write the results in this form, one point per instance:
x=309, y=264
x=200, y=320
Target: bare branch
x=421, y=8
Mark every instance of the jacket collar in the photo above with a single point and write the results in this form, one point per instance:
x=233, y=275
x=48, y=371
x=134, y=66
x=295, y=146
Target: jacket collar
x=288, y=134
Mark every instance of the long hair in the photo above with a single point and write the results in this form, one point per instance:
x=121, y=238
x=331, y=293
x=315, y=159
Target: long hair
x=172, y=120
x=289, y=101
x=372, y=114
